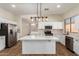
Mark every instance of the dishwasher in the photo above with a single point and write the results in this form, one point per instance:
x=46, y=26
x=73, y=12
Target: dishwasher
x=69, y=43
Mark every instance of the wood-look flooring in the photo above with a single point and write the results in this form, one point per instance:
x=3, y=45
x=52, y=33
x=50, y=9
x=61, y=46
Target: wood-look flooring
x=16, y=51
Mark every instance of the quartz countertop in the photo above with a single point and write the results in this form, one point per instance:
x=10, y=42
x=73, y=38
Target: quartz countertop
x=31, y=37
x=73, y=36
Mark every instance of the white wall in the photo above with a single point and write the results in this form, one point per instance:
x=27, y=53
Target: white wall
x=6, y=14
x=55, y=18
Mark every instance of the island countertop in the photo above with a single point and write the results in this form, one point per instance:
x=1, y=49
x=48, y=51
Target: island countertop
x=31, y=37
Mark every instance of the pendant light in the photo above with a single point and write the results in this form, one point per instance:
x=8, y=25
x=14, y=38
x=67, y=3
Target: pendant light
x=39, y=16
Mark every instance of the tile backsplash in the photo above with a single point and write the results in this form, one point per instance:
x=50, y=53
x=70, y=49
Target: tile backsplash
x=57, y=31
x=54, y=31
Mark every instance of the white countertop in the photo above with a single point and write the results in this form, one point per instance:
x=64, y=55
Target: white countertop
x=32, y=37
x=73, y=36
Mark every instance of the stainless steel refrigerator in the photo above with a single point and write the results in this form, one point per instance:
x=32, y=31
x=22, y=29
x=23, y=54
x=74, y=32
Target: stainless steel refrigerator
x=10, y=32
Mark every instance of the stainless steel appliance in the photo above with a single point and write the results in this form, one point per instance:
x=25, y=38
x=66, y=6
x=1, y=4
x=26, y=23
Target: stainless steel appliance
x=48, y=27
x=69, y=43
x=10, y=31
x=47, y=31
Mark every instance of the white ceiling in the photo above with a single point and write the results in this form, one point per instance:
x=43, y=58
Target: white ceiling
x=30, y=8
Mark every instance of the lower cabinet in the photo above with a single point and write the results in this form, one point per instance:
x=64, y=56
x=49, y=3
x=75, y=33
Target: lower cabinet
x=76, y=46
x=62, y=40
x=2, y=42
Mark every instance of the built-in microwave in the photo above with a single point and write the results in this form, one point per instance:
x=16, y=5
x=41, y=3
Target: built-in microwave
x=48, y=27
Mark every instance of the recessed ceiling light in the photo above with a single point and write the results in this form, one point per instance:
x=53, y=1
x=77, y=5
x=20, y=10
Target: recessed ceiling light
x=58, y=6
x=13, y=6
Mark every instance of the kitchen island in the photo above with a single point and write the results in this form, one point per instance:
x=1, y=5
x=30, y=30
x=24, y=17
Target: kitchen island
x=39, y=44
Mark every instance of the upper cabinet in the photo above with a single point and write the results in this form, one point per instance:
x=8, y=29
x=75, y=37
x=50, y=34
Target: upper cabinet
x=55, y=25
x=60, y=25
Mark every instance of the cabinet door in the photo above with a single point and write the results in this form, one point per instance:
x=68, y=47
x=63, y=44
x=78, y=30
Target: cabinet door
x=2, y=42
x=76, y=46
x=54, y=26
x=60, y=25
x=62, y=39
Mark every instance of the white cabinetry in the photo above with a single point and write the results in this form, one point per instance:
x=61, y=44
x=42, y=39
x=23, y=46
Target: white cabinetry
x=60, y=25
x=61, y=39
x=55, y=25
x=76, y=46
x=40, y=25
x=2, y=42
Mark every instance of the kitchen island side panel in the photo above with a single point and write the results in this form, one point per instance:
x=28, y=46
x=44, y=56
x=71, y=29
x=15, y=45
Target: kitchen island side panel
x=38, y=47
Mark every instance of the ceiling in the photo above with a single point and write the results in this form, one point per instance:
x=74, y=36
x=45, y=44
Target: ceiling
x=30, y=8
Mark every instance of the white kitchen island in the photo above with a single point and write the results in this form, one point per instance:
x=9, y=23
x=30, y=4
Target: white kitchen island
x=39, y=44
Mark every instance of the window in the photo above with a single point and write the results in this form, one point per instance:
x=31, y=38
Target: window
x=70, y=24
x=67, y=27
x=73, y=29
